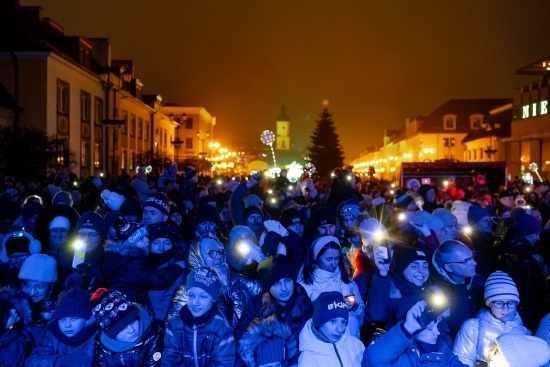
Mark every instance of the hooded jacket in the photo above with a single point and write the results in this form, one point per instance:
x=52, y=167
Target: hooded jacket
x=346, y=352
x=261, y=331
x=475, y=336
x=324, y=281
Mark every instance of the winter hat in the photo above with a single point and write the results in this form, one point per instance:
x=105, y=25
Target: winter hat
x=446, y=217
x=433, y=222
x=131, y=206
x=206, y=213
x=97, y=182
x=324, y=215
x=62, y=198
x=403, y=256
x=30, y=209
x=423, y=190
x=411, y=182
x=111, y=218
x=207, y=279
x=60, y=222
x=402, y=201
x=74, y=301
x=114, y=313
x=91, y=220
x=130, y=233
x=328, y=306
x=523, y=350
x=275, y=268
x=498, y=286
x=505, y=194
x=40, y=268
x=19, y=242
x=270, y=351
x=290, y=216
x=112, y=199
x=159, y=201
x=321, y=242
x=239, y=231
x=252, y=200
x=349, y=207
x=378, y=201
x=189, y=172
x=477, y=213
x=251, y=210
x=163, y=230
x=527, y=224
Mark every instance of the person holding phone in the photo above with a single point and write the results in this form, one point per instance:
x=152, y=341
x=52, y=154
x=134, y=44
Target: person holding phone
x=410, y=343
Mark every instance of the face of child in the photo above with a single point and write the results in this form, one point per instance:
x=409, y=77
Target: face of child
x=70, y=326
x=334, y=329
x=430, y=334
x=199, y=301
x=130, y=333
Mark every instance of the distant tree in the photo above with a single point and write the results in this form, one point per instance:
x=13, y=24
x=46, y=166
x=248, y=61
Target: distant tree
x=28, y=152
x=325, y=151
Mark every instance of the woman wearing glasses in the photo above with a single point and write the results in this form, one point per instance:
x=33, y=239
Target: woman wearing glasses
x=236, y=290
x=477, y=337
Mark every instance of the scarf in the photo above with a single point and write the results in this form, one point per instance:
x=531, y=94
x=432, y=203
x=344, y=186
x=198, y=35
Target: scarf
x=190, y=320
x=405, y=287
x=164, y=257
x=425, y=347
x=145, y=321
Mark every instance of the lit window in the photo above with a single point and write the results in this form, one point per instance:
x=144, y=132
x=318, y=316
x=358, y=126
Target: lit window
x=62, y=97
x=449, y=122
x=476, y=121
x=85, y=106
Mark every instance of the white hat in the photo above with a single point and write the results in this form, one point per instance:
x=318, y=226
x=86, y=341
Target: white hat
x=523, y=350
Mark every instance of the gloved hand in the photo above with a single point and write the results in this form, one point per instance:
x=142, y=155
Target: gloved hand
x=281, y=229
x=75, y=359
x=271, y=225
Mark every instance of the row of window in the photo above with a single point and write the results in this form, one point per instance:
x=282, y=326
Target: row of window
x=476, y=122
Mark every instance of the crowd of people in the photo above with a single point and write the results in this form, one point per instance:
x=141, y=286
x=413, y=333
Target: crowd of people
x=179, y=270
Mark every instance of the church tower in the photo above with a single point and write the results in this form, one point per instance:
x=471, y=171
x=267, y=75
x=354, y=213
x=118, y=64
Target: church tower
x=282, y=141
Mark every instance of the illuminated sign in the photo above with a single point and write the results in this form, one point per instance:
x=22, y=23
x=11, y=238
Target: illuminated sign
x=534, y=109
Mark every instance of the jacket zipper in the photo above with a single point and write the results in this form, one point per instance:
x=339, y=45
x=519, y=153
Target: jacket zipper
x=338, y=355
x=195, y=345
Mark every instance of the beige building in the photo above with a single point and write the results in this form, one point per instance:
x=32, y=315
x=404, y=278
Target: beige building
x=439, y=136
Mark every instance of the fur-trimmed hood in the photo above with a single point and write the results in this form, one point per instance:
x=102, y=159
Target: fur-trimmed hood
x=20, y=302
x=261, y=330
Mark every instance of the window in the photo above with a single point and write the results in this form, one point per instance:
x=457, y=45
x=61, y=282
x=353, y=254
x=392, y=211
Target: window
x=132, y=125
x=165, y=138
x=146, y=130
x=481, y=154
x=475, y=154
x=62, y=97
x=476, y=121
x=98, y=111
x=85, y=151
x=140, y=128
x=125, y=125
x=189, y=123
x=188, y=143
x=124, y=159
x=449, y=122
x=98, y=155
x=85, y=106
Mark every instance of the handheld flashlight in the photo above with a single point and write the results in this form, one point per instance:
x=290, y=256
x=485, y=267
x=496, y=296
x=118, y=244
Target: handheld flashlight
x=243, y=247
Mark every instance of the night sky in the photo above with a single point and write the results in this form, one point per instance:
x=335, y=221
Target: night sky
x=377, y=62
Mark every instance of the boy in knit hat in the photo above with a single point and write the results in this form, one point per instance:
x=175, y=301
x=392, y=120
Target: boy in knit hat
x=130, y=333
x=156, y=209
x=70, y=338
x=200, y=336
x=329, y=326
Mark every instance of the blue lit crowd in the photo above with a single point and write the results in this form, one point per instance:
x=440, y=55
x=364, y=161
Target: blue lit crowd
x=259, y=271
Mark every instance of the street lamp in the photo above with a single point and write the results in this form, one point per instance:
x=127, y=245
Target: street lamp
x=124, y=76
x=177, y=142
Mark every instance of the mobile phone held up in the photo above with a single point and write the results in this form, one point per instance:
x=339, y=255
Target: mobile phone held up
x=383, y=247
x=79, y=253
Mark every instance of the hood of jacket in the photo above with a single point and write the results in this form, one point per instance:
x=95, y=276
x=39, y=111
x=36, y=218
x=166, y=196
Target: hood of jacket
x=20, y=302
x=261, y=331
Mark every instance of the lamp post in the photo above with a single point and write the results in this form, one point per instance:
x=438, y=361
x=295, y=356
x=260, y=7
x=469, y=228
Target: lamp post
x=124, y=76
x=177, y=142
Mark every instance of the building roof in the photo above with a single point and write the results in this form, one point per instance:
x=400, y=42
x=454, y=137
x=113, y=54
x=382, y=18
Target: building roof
x=539, y=67
x=463, y=109
x=283, y=116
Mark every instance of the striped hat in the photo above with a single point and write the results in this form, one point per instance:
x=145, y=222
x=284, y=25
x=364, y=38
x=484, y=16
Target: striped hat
x=499, y=286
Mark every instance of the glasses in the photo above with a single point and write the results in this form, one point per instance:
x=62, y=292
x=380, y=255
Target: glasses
x=510, y=304
x=18, y=258
x=214, y=253
x=465, y=261
x=40, y=287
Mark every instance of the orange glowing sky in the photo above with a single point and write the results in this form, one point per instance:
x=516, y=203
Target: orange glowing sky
x=377, y=62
